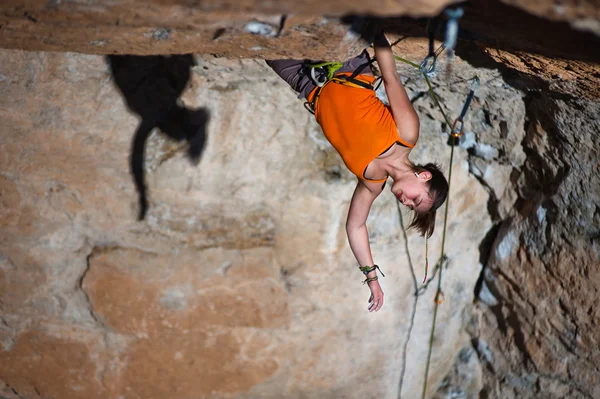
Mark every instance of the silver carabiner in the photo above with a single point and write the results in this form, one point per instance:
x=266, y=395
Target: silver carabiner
x=429, y=63
x=316, y=79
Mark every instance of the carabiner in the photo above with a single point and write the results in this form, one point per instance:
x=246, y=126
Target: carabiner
x=429, y=63
x=457, y=132
x=319, y=82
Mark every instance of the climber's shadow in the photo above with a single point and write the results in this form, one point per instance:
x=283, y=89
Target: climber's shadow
x=151, y=86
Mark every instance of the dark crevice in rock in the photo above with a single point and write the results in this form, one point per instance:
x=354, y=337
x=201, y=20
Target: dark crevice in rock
x=418, y=96
x=481, y=349
x=29, y=17
x=486, y=245
x=285, y=276
x=506, y=314
x=5, y=323
x=485, y=250
x=14, y=391
x=87, y=298
x=493, y=201
x=95, y=251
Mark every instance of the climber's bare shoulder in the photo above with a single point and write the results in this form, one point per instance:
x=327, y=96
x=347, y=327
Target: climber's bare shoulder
x=373, y=187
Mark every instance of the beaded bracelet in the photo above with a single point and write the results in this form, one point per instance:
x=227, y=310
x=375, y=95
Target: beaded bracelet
x=368, y=269
x=369, y=279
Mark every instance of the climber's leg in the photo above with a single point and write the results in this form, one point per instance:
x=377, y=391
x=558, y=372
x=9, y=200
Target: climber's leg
x=294, y=73
x=353, y=64
x=297, y=75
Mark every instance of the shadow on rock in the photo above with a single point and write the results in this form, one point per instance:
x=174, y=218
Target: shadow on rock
x=151, y=86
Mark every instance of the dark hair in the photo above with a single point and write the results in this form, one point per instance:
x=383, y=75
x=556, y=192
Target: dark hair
x=424, y=222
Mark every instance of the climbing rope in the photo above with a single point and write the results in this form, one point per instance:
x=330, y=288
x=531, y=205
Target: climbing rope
x=456, y=131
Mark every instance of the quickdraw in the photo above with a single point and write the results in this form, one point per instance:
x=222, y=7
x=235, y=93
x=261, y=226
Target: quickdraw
x=458, y=125
x=429, y=63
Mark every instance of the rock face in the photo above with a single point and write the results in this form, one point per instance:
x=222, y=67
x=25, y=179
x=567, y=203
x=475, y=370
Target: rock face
x=538, y=313
x=237, y=29
x=239, y=281
x=583, y=15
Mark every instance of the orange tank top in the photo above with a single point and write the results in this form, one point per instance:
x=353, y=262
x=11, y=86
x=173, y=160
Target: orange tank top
x=356, y=123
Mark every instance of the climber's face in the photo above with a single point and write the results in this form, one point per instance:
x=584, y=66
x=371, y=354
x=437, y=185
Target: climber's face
x=413, y=192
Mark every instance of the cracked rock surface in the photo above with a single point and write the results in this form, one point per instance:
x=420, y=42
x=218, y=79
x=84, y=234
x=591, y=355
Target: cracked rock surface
x=239, y=282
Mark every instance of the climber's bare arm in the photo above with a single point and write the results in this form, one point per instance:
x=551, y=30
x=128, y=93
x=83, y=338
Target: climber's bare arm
x=358, y=235
x=407, y=120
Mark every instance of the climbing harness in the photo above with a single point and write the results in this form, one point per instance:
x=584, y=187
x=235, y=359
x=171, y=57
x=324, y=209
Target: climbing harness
x=325, y=70
x=343, y=79
x=324, y=73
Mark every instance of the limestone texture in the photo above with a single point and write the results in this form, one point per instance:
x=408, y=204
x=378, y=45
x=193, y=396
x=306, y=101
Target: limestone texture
x=543, y=267
x=248, y=29
x=239, y=282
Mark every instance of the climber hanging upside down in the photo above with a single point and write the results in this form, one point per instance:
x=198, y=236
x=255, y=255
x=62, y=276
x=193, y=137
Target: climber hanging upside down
x=374, y=140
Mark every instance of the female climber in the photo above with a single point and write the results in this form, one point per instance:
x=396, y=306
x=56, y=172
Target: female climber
x=374, y=141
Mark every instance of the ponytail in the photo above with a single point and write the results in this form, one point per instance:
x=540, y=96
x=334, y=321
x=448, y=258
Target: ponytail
x=438, y=190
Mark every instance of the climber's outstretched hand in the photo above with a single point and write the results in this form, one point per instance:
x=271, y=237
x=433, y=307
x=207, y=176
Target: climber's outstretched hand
x=376, y=299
